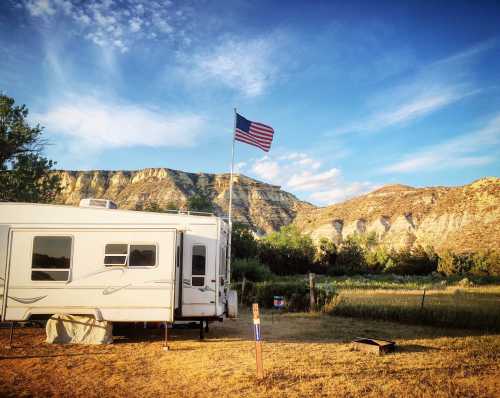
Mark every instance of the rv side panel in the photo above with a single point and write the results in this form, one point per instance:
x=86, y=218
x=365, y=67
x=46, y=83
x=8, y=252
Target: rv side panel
x=124, y=274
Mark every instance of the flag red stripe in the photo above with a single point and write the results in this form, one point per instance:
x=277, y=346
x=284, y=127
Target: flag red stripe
x=265, y=149
x=250, y=138
x=260, y=144
x=253, y=137
x=260, y=128
x=263, y=126
x=250, y=142
x=260, y=132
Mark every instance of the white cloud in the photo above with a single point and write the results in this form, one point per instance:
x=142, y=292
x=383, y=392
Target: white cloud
x=298, y=172
x=135, y=24
x=457, y=152
x=406, y=110
x=247, y=66
x=115, y=25
x=97, y=124
x=267, y=169
x=40, y=8
x=341, y=192
x=310, y=180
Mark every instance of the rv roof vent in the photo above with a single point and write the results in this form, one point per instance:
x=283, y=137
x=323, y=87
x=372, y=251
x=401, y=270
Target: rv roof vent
x=102, y=203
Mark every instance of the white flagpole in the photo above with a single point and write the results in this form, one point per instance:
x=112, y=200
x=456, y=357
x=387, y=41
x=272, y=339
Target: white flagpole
x=231, y=205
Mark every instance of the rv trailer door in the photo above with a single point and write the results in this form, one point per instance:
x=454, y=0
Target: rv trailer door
x=198, y=279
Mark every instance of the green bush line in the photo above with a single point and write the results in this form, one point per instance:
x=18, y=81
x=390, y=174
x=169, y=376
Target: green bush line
x=296, y=294
x=289, y=252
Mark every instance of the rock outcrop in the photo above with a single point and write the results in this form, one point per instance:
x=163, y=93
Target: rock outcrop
x=465, y=218
x=263, y=207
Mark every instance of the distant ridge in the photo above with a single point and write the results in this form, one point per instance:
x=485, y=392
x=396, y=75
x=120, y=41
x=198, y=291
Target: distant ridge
x=264, y=207
x=465, y=218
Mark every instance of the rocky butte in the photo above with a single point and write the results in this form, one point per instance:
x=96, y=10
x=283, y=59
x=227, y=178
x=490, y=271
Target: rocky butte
x=264, y=207
x=465, y=218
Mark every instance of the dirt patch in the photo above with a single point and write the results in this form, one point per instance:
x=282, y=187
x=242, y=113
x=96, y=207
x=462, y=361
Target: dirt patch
x=304, y=355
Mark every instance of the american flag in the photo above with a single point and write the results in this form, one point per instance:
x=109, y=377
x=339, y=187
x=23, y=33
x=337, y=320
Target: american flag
x=253, y=133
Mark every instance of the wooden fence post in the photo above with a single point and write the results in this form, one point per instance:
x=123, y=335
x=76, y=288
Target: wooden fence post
x=312, y=299
x=258, y=342
x=422, y=304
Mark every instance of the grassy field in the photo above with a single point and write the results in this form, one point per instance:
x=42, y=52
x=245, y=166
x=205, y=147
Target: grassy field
x=408, y=282
x=475, y=307
x=304, y=355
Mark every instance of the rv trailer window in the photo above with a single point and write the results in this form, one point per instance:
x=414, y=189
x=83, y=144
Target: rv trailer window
x=115, y=254
x=51, y=258
x=142, y=256
x=198, y=266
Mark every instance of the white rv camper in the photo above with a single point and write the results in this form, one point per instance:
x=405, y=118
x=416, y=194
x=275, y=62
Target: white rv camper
x=118, y=265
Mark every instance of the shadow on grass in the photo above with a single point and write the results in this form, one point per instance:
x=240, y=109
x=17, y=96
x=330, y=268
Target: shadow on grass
x=7, y=357
x=123, y=335
x=411, y=348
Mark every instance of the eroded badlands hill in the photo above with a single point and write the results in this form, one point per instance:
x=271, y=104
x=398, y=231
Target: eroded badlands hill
x=264, y=207
x=462, y=218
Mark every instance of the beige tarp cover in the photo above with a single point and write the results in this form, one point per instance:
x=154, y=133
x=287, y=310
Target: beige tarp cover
x=81, y=329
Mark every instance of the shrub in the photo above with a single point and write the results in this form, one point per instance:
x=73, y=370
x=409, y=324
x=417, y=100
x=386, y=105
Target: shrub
x=486, y=264
x=250, y=268
x=417, y=261
x=243, y=243
x=455, y=264
x=287, y=252
x=350, y=259
x=378, y=259
x=295, y=292
x=473, y=264
x=200, y=202
x=326, y=254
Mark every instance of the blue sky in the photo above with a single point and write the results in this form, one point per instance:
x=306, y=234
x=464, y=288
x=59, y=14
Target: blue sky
x=360, y=94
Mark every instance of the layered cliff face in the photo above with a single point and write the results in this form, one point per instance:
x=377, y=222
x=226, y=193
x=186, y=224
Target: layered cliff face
x=264, y=207
x=462, y=219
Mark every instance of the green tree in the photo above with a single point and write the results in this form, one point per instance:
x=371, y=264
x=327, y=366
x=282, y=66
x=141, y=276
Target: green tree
x=171, y=206
x=455, y=264
x=243, y=243
x=24, y=174
x=288, y=251
x=152, y=206
x=326, y=253
x=350, y=258
x=250, y=269
x=200, y=202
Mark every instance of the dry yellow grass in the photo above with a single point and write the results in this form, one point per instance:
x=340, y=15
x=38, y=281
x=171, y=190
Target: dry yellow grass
x=304, y=355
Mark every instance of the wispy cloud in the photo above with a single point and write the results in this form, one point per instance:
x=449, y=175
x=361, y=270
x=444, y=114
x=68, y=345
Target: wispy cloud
x=434, y=87
x=301, y=173
x=248, y=66
x=116, y=25
x=342, y=191
x=471, y=149
x=414, y=108
x=94, y=123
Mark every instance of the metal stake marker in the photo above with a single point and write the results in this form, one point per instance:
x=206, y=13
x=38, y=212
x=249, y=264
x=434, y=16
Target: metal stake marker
x=258, y=341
